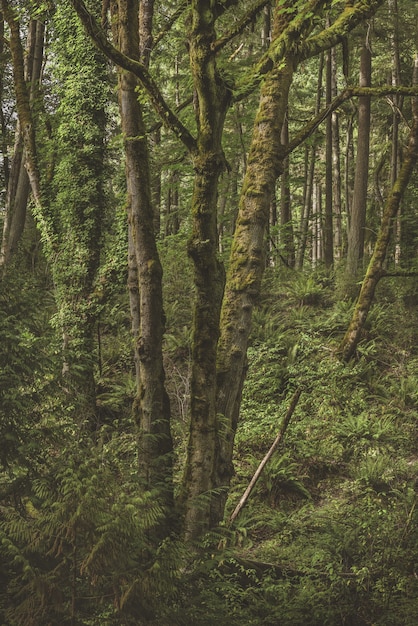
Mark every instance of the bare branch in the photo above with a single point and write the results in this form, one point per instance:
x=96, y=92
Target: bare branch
x=273, y=448
x=347, y=94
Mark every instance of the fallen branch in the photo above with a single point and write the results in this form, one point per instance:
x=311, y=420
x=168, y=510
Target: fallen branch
x=253, y=481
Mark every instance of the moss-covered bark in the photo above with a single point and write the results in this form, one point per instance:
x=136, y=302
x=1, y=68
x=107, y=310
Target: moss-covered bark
x=247, y=265
x=212, y=99
x=77, y=206
x=289, y=46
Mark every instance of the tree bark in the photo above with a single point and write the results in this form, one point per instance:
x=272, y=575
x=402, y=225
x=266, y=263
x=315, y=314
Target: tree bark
x=151, y=409
x=336, y=164
x=286, y=225
x=328, y=213
x=246, y=264
x=212, y=99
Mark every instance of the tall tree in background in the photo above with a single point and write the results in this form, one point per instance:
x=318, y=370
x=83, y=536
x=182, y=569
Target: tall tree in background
x=376, y=269
x=355, y=248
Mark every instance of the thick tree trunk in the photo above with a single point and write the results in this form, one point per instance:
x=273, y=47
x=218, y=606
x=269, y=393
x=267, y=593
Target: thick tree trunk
x=77, y=208
x=375, y=269
x=151, y=406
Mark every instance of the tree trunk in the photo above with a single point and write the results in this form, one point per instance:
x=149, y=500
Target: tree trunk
x=336, y=165
x=77, y=207
x=212, y=101
x=310, y=154
x=246, y=267
x=396, y=117
x=286, y=225
x=355, y=249
x=151, y=407
x=310, y=158
x=328, y=213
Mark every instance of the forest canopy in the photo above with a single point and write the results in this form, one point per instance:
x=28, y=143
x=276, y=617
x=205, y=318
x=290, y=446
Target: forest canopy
x=208, y=312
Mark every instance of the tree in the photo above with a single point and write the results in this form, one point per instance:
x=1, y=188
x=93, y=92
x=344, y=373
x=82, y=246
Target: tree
x=151, y=410
x=355, y=249
x=220, y=341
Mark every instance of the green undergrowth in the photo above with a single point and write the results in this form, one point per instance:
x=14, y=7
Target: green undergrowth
x=331, y=523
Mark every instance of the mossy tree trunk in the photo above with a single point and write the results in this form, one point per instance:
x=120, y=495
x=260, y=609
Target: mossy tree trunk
x=265, y=163
x=212, y=100
x=247, y=262
x=77, y=209
x=151, y=409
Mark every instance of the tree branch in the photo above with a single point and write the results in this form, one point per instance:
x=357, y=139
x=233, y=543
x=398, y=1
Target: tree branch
x=347, y=94
x=168, y=117
x=167, y=26
x=292, y=43
x=242, y=23
x=345, y=23
x=285, y=43
x=273, y=448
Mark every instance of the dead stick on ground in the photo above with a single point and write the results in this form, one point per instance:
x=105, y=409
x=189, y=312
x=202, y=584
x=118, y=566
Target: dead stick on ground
x=285, y=423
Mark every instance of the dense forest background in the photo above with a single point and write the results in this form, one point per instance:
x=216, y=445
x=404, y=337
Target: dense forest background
x=208, y=312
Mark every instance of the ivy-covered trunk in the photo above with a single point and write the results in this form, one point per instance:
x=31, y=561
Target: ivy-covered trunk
x=77, y=210
x=151, y=409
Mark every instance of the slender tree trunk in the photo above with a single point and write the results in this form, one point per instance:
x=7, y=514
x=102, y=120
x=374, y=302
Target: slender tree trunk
x=151, y=406
x=286, y=225
x=310, y=154
x=172, y=223
x=328, y=213
x=355, y=249
x=375, y=269
x=336, y=164
x=396, y=116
